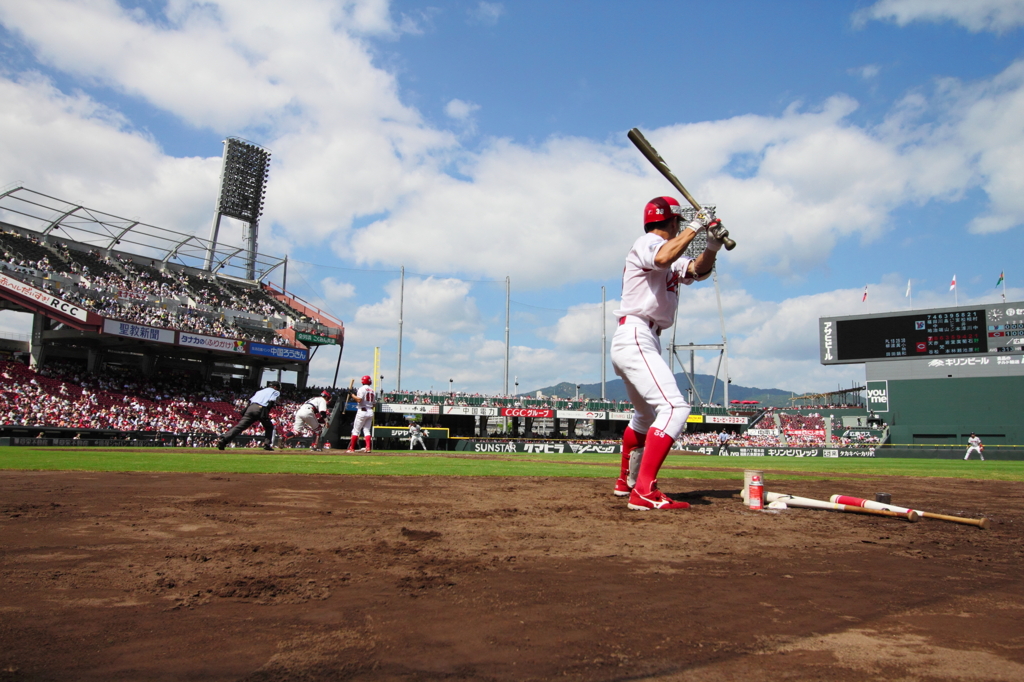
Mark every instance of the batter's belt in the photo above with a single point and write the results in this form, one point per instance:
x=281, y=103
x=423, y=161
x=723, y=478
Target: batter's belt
x=639, y=321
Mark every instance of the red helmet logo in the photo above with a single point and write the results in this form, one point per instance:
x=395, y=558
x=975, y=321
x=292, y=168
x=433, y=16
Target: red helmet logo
x=661, y=208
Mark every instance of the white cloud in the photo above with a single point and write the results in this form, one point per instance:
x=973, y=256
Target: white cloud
x=975, y=15
x=426, y=302
x=867, y=72
x=337, y=291
x=460, y=110
x=487, y=13
x=76, y=149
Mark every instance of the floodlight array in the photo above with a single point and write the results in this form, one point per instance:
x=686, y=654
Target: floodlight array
x=244, y=180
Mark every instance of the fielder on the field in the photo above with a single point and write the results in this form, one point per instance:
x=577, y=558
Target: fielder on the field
x=655, y=267
x=311, y=417
x=974, y=445
x=365, y=398
x=416, y=436
x=258, y=409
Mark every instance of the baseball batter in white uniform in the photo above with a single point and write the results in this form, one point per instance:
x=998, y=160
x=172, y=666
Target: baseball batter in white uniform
x=311, y=416
x=365, y=398
x=416, y=436
x=655, y=267
x=974, y=445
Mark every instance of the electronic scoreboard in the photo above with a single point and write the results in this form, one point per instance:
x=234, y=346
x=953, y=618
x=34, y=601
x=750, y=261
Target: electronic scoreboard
x=938, y=332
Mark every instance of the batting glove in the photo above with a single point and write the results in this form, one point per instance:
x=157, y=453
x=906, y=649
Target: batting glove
x=705, y=216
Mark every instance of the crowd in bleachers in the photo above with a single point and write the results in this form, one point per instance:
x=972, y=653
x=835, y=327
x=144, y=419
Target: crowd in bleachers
x=125, y=289
x=63, y=395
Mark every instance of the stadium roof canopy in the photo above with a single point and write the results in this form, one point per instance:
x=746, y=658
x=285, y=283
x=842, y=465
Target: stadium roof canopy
x=48, y=215
x=828, y=397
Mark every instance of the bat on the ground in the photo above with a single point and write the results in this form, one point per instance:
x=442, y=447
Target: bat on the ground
x=808, y=503
x=871, y=504
x=637, y=138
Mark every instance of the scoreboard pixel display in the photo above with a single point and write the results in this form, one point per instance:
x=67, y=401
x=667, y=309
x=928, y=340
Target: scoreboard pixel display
x=938, y=332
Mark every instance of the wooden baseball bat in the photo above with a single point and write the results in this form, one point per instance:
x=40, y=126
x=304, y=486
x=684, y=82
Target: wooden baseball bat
x=871, y=504
x=808, y=503
x=641, y=143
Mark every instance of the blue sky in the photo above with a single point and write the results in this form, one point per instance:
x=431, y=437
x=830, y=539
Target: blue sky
x=846, y=144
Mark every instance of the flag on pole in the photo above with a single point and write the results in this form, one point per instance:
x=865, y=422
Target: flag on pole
x=952, y=285
x=865, y=296
x=906, y=295
x=1000, y=278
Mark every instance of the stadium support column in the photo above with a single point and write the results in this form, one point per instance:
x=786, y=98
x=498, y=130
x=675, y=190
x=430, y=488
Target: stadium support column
x=255, y=378
x=94, y=360
x=148, y=364
x=207, y=370
x=37, y=351
x=302, y=377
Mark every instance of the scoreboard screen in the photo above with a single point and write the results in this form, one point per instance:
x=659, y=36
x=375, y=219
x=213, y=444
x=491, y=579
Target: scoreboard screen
x=909, y=336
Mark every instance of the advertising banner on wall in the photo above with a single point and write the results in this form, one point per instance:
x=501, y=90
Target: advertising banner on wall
x=280, y=352
x=211, y=342
x=526, y=412
x=402, y=408
x=580, y=414
x=620, y=416
x=724, y=419
x=549, y=448
x=878, y=396
x=138, y=331
x=470, y=410
x=43, y=298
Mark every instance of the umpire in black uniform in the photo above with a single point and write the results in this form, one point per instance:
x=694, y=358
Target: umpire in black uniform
x=257, y=410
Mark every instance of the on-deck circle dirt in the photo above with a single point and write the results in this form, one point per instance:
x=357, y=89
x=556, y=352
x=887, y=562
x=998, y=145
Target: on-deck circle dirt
x=129, y=576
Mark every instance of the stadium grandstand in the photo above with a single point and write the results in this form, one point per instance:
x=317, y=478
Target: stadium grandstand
x=110, y=294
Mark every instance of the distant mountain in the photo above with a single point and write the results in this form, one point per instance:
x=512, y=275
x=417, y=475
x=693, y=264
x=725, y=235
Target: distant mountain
x=615, y=390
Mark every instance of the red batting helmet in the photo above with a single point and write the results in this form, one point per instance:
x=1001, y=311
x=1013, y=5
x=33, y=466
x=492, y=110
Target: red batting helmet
x=367, y=379
x=325, y=395
x=661, y=208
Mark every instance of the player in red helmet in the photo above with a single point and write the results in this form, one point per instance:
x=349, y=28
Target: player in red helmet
x=655, y=267
x=365, y=399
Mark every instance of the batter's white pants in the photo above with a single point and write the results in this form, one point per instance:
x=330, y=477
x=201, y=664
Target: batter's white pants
x=417, y=440
x=363, y=423
x=636, y=357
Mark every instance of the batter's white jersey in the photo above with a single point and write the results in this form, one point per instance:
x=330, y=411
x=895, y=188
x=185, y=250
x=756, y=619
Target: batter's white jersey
x=649, y=292
x=649, y=298
x=365, y=398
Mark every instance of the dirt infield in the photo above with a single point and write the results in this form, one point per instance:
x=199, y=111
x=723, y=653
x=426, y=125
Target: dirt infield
x=287, y=577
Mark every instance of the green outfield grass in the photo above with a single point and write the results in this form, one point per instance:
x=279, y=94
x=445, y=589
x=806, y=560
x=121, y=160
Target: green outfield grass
x=400, y=463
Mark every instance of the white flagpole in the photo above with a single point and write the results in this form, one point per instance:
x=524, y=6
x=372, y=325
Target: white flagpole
x=1003, y=273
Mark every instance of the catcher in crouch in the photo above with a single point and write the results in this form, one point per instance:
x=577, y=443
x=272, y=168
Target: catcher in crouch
x=311, y=416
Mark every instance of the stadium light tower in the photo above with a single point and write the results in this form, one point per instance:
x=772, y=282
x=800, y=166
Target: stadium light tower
x=243, y=185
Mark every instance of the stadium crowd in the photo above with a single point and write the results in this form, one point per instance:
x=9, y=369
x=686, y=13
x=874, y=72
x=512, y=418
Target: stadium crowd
x=63, y=395
x=121, y=288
